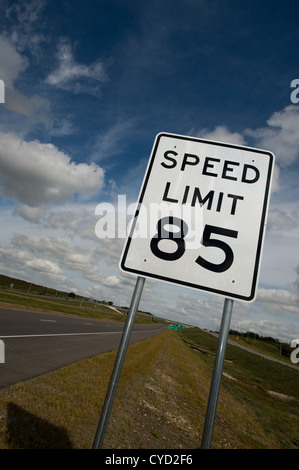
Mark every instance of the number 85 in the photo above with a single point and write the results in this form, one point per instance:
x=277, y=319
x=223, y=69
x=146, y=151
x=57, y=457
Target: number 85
x=207, y=241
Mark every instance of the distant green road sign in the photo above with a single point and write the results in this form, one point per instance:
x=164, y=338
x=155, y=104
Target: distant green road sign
x=175, y=327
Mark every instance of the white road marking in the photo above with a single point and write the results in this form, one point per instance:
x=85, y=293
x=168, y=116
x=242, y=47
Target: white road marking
x=73, y=334
x=63, y=334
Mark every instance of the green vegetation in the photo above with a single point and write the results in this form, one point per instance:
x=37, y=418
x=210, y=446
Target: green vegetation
x=61, y=409
x=163, y=392
x=19, y=285
x=57, y=306
x=89, y=310
x=268, y=390
x=161, y=400
x=265, y=345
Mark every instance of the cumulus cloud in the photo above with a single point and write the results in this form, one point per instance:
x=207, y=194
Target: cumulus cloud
x=279, y=220
x=281, y=135
x=262, y=317
x=278, y=297
x=56, y=251
x=294, y=287
x=54, y=248
x=75, y=221
x=21, y=264
x=12, y=65
x=32, y=214
x=11, y=62
x=35, y=107
x=73, y=76
x=52, y=253
x=35, y=173
x=222, y=134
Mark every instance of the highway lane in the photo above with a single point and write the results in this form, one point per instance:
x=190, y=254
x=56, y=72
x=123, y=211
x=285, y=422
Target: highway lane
x=37, y=342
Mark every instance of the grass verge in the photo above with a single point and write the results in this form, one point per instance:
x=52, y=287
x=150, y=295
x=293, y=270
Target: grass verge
x=267, y=390
x=269, y=348
x=160, y=402
x=101, y=312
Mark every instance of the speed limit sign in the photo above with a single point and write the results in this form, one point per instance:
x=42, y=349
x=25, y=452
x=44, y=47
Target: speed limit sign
x=201, y=216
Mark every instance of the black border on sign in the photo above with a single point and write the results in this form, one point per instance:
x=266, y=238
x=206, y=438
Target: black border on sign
x=261, y=232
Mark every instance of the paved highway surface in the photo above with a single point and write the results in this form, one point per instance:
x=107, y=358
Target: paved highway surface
x=37, y=342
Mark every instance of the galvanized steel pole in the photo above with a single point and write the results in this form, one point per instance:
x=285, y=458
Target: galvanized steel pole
x=217, y=374
x=106, y=411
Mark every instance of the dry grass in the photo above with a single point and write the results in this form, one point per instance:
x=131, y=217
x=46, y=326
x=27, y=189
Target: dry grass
x=61, y=409
x=160, y=404
x=171, y=409
x=69, y=307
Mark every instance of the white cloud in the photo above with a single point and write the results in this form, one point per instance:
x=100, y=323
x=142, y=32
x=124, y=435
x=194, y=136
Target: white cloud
x=36, y=107
x=278, y=297
x=32, y=214
x=114, y=140
x=63, y=127
x=222, y=134
x=294, y=287
x=281, y=135
x=54, y=251
x=279, y=220
x=11, y=62
x=44, y=265
x=75, y=220
x=20, y=264
x=75, y=77
x=35, y=173
x=275, y=186
x=111, y=281
x=26, y=18
x=12, y=65
x=274, y=313
x=64, y=252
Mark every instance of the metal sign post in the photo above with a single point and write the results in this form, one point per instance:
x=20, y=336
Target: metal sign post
x=217, y=374
x=119, y=361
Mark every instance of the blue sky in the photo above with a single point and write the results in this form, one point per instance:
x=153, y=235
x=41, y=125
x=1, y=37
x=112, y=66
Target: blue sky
x=88, y=87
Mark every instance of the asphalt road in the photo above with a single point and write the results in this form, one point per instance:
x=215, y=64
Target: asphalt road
x=36, y=342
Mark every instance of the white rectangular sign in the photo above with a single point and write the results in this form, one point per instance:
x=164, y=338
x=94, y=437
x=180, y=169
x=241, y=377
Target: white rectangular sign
x=201, y=216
